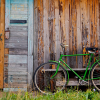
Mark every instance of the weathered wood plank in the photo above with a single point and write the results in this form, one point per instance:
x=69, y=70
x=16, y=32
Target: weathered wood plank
x=67, y=28
x=51, y=16
x=17, y=39
x=18, y=34
x=19, y=13
x=30, y=41
x=35, y=36
x=18, y=28
x=46, y=35
x=2, y=29
x=73, y=33
x=17, y=73
x=16, y=45
x=79, y=35
x=18, y=51
x=16, y=85
x=7, y=14
x=16, y=80
x=16, y=59
x=98, y=24
x=14, y=69
x=21, y=65
x=70, y=32
x=19, y=17
x=88, y=27
x=57, y=38
x=75, y=69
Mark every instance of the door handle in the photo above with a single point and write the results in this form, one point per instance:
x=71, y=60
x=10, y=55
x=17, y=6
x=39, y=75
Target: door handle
x=0, y=37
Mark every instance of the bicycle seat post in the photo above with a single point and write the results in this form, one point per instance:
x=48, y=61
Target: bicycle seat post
x=63, y=47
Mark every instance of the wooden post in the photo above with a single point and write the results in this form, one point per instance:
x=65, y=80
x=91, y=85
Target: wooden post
x=2, y=29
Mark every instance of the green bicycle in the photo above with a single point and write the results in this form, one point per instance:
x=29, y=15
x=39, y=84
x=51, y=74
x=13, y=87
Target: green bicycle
x=53, y=76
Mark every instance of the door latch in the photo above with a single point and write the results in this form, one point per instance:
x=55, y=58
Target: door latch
x=0, y=37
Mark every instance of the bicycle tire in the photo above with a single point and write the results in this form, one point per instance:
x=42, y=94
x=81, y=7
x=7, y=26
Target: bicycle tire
x=43, y=82
x=95, y=73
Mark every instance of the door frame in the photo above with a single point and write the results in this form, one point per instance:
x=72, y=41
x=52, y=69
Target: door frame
x=2, y=30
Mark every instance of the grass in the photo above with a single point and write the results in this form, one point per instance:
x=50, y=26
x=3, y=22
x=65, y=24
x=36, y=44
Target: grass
x=69, y=95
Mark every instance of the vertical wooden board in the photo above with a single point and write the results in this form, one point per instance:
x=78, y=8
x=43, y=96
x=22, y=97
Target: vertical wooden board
x=74, y=30
x=7, y=15
x=51, y=29
x=99, y=27
x=57, y=38
x=62, y=27
x=40, y=32
x=91, y=23
x=30, y=42
x=98, y=23
x=67, y=28
x=61, y=18
x=45, y=28
x=70, y=31
x=35, y=35
x=84, y=16
x=88, y=24
x=79, y=35
x=93, y=27
x=96, y=19
x=2, y=29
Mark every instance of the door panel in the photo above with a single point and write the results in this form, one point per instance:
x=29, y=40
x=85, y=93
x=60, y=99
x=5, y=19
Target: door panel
x=2, y=26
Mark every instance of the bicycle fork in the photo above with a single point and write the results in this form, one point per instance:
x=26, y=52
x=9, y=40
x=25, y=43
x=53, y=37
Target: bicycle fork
x=56, y=71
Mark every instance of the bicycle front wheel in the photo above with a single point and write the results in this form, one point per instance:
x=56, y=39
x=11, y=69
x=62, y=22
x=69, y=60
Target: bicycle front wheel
x=43, y=81
x=95, y=76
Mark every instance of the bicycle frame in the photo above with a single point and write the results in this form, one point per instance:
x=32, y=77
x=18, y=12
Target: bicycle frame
x=60, y=60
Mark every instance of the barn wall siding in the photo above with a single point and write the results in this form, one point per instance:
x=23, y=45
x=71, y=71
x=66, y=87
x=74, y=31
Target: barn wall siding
x=73, y=22
x=16, y=47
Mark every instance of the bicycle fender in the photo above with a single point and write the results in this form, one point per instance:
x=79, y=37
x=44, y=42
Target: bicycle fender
x=63, y=66
x=91, y=68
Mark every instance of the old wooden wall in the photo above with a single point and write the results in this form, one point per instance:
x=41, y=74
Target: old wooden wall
x=73, y=22
x=16, y=47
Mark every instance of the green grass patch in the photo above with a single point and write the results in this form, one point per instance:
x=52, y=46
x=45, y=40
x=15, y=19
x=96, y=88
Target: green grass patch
x=69, y=95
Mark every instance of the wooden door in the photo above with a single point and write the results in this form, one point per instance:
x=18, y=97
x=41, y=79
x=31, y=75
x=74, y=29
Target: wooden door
x=2, y=18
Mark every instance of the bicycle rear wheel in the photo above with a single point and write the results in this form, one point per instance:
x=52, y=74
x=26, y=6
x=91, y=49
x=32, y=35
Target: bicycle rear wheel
x=43, y=81
x=95, y=76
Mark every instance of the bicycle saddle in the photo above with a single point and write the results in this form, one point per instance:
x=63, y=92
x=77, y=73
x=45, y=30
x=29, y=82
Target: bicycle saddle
x=91, y=49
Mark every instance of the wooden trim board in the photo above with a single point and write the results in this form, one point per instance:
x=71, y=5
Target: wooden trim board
x=30, y=42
